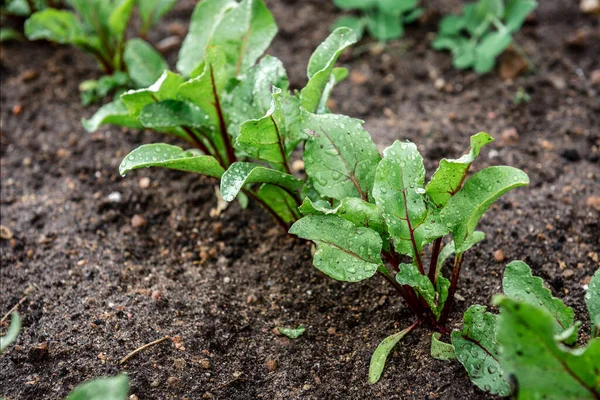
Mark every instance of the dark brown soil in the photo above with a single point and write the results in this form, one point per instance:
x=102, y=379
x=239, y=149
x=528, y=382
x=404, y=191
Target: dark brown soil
x=97, y=288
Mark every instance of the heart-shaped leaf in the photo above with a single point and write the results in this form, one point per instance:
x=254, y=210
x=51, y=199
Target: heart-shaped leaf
x=464, y=210
x=339, y=156
x=344, y=252
x=541, y=366
x=477, y=350
x=172, y=157
x=245, y=173
x=520, y=284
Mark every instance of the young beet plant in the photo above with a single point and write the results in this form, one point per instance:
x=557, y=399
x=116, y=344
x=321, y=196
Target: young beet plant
x=531, y=344
x=382, y=19
x=482, y=32
x=375, y=212
x=99, y=27
x=239, y=115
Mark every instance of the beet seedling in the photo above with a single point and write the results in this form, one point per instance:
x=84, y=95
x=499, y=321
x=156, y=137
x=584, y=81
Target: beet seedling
x=239, y=115
x=482, y=32
x=99, y=28
x=368, y=209
x=13, y=331
x=110, y=388
x=382, y=19
x=530, y=343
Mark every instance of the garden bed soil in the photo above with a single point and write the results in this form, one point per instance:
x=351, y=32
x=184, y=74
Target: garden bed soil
x=98, y=286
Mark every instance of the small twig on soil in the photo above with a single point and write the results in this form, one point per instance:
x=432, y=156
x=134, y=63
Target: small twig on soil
x=13, y=309
x=133, y=353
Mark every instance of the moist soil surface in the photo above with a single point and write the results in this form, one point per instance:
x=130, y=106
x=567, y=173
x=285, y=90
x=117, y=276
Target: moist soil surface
x=98, y=286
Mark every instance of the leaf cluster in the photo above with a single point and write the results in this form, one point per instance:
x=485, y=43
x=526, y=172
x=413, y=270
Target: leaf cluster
x=382, y=19
x=370, y=208
x=238, y=114
x=482, y=32
x=99, y=27
x=531, y=343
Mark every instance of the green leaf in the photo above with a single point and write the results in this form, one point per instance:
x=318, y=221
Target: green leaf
x=339, y=156
x=172, y=113
x=520, y=284
x=541, y=365
x=240, y=174
x=451, y=25
x=113, y=388
x=55, y=25
x=144, y=64
x=337, y=76
x=464, y=210
x=119, y=17
x=465, y=54
x=397, y=7
x=344, y=252
x=409, y=275
x=477, y=350
x=206, y=91
x=151, y=11
x=273, y=137
x=164, y=88
x=244, y=34
x=207, y=15
x=516, y=13
x=399, y=191
x=440, y=350
x=355, y=4
x=592, y=301
x=280, y=201
x=357, y=24
x=8, y=34
x=12, y=333
x=449, y=249
x=383, y=26
x=381, y=353
x=291, y=332
x=112, y=113
x=320, y=66
x=172, y=157
x=442, y=286
x=353, y=209
x=252, y=98
x=490, y=47
x=448, y=178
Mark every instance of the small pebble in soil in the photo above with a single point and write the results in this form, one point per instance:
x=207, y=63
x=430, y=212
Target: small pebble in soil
x=173, y=381
x=509, y=137
x=227, y=280
x=17, y=109
x=251, y=299
x=27, y=162
x=595, y=77
x=115, y=197
x=144, y=182
x=271, y=364
x=133, y=397
x=38, y=352
x=5, y=233
x=157, y=295
x=594, y=202
x=568, y=273
x=499, y=256
x=204, y=363
x=137, y=221
x=571, y=155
